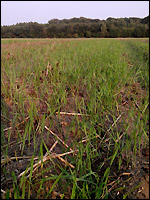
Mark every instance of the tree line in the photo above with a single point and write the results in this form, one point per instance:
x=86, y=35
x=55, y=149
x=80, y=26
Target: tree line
x=80, y=28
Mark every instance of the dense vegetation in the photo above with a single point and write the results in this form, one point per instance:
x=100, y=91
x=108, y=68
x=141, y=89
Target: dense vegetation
x=80, y=27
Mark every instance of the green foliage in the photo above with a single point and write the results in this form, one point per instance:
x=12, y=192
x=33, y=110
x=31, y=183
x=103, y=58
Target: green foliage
x=79, y=27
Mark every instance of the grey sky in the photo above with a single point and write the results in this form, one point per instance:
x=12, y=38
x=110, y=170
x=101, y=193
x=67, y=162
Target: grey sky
x=13, y=12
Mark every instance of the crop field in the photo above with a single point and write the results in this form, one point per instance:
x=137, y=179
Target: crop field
x=75, y=118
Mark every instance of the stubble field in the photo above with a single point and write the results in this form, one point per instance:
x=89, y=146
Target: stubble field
x=75, y=118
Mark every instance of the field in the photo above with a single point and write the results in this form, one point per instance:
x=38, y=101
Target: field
x=75, y=118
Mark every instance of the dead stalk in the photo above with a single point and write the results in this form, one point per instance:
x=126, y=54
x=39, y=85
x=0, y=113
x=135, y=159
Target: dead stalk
x=120, y=136
x=66, y=113
x=45, y=158
x=6, y=129
x=88, y=139
x=110, y=127
x=105, y=133
x=3, y=191
x=51, y=149
x=66, y=162
x=137, y=106
x=57, y=137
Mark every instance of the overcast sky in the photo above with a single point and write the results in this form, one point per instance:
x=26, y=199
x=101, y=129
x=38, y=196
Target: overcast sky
x=13, y=12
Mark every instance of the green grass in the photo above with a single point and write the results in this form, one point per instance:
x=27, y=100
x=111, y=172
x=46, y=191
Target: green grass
x=95, y=74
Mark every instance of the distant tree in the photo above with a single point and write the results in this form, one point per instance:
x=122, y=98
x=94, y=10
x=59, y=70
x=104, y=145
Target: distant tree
x=53, y=21
x=88, y=34
x=75, y=35
x=103, y=30
x=80, y=27
x=145, y=20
